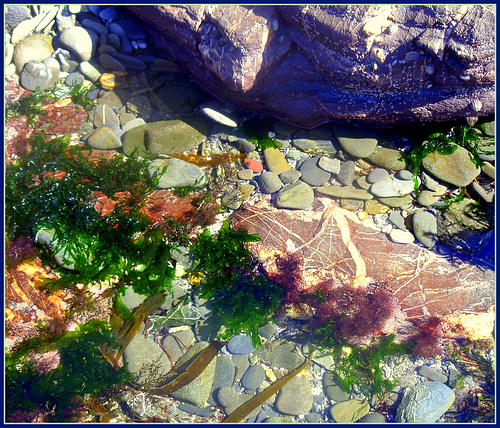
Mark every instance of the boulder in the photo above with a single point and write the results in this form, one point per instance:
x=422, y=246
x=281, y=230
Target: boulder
x=372, y=64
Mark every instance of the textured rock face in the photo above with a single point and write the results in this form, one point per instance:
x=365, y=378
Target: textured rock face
x=335, y=245
x=373, y=64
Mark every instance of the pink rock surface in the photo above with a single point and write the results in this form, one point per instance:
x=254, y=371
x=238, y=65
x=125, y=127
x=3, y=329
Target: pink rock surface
x=334, y=244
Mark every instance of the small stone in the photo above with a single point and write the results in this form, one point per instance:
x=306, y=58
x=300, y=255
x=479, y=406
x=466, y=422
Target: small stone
x=54, y=68
x=224, y=372
x=396, y=202
x=74, y=79
x=110, y=81
x=214, y=112
x=111, y=63
x=289, y=177
x=94, y=26
x=106, y=49
x=245, y=146
x=313, y=418
x=488, y=169
x=358, y=142
x=392, y=187
x=425, y=228
x=386, y=158
x=8, y=53
x=103, y=114
x=344, y=192
x=125, y=45
x=350, y=411
x=78, y=41
x=373, y=418
x=109, y=13
x=424, y=403
x=298, y=195
x=127, y=117
x=240, y=345
x=346, y=173
x=397, y=219
x=254, y=165
x=362, y=183
x=401, y=236
x=35, y=75
x=426, y=198
x=315, y=146
x=487, y=196
x=296, y=397
x=335, y=393
x=104, y=139
x=377, y=174
x=330, y=165
x=36, y=47
x=89, y=71
x=267, y=331
x=269, y=182
x=132, y=123
x=113, y=40
x=140, y=106
x=275, y=161
x=129, y=61
x=24, y=29
x=240, y=363
x=373, y=206
x=432, y=374
x=253, y=377
x=404, y=174
x=312, y=174
x=178, y=173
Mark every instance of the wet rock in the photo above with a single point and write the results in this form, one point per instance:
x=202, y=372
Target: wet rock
x=177, y=343
x=386, y=158
x=36, y=47
x=396, y=202
x=105, y=139
x=345, y=192
x=373, y=418
x=178, y=173
x=392, y=187
x=291, y=176
x=275, y=161
x=329, y=164
x=346, y=173
x=298, y=195
x=424, y=403
x=358, y=142
x=350, y=411
x=456, y=168
x=240, y=345
x=425, y=228
x=78, y=41
x=296, y=397
x=224, y=372
x=401, y=236
x=104, y=114
x=377, y=174
x=432, y=374
x=269, y=182
x=312, y=174
x=35, y=75
x=314, y=146
x=253, y=377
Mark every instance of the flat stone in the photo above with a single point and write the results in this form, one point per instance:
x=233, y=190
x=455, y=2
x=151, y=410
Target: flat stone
x=165, y=137
x=377, y=174
x=254, y=165
x=54, y=69
x=282, y=355
x=245, y=146
x=134, y=123
x=358, y=142
x=350, y=411
x=214, y=112
x=296, y=397
x=253, y=377
x=89, y=71
x=386, y=158
x=240, y=345
x=106, y=49
x=74, y=79
x=397, y=219
x=315, y=146
x=125, y=45
x=362, y=183
x=401, y=236
x=425, y=228
x=346, y=173
x=269, y=182
x=312, y=174
x=36, y=47
x=104, y=114
x=179, y=173
x=298, y=195
x=347, y=192
x=456, y=168
x=78, y=41
x=427, y=198
x=111, y=63
x=109, y=13
x=113, y=40
x=95, y=26
x=224, y=372
x=373, y=206
x=129, y=61
x=487, y=196
x=127, y=117
x=24, y=28
x=424, y=403
x=104, y=139
x=373, y=418
x=488, y=169
x=198, y=391
x=392, y=187
x=396, y=202
x=275, y=161
x=241, y=364
x=177, y=343
x=335, y=393
x=289, y=177
x=329, y=164
x=432, y=374
x=245, y=174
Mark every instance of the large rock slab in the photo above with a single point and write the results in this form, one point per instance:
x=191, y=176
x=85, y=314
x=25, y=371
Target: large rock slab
x=334, y=245
x=373, y=64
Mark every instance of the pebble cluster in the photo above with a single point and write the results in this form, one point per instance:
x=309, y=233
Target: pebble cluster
x=144, y=103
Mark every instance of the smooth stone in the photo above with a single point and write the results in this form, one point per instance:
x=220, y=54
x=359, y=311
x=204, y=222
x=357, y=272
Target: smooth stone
x=65, y=66
x=347, y=192
x=386, y=158
x=346, y=173
x=194, y=410
x=140, y=106
x=35, y=75
x=111, y=63
x=424, y=403
x=312, y=174
x=106, y=49
x=432, y=374
x=8, y=53
x=113, y=40
x=350, y=411
x=426, y=198
x=404, y=174
x=103, y=114
x=74, y=79
x=362, y=183
x=254, y=165
x=269, y=182
x=54, y=68
x=278, y=420
x=129, y=61
x=48, y=20
x=397, y=219
x=245, y=174
x=401, y=236
x=456, y=168
x=329, y=164
x=488, y=197
x=232, y=199
x=36, y=47
x=142, y=352
x=14, y=15
x=275, y=161
x=127, y=126
x=104, y=139
x=357, y=142
x=396, y=202
x=177, y=343
x=227, y=396
x=335, y=393
x=488, y=169
x=373, y=206
x=224, y=372
x=313, y=418
x=314, y=146
x=377, y=174
x=282, y=355
x=392, y=187
x=127, y=117
x=298, y=196
x=165, y=137
x=294, y=154
x=284, y=128
x=240, y=345
x=351, y=204
x=96, y=10
x=296, y=397
x=240, y=363
x=245, y=146
x=373, y=418
x=132, y=28
x=110, y=98
x=198, y=391
x=78, y=41
x=253, y=377
x=89, y=71
x=95, y=26
x=214, y=112
x=24, y=29
x=109, y=13
x=289, y=177
x=179, y=173
x=10, y=70
x=425, y=228
x=267, y=331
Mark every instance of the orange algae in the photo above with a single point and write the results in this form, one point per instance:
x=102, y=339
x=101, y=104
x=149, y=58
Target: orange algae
x=211, y=160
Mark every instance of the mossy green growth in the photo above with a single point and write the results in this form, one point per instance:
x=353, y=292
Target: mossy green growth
x=124, y=243
x=82, y=370
x=79, y=93
x=360, y=365
x=258, y=133
x=29, y=105
x=241, y=293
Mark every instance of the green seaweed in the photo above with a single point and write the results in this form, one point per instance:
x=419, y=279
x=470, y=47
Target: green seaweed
x=258, y=133
x=29, y=105
x=79, y=94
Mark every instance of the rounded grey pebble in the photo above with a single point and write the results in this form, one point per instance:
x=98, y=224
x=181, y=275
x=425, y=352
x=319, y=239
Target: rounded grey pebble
x=377, y=174
x=269, y=182
x=95, y=26
x=346, y=173
x=425, y=228
x=74, y=79
x=432, y=374
x=240, y=345
x=54, y=67
x=245, y=146
x=129, y=61
x=312, y=174
x=335, y=393
x=245, y=174
x=397, y=219
x=35, y=75
x=375, y=418
x=89, y=71
x=313, y=418
x=404, y=174
x=289, y=177
x=253, y=377
x=227, y=396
